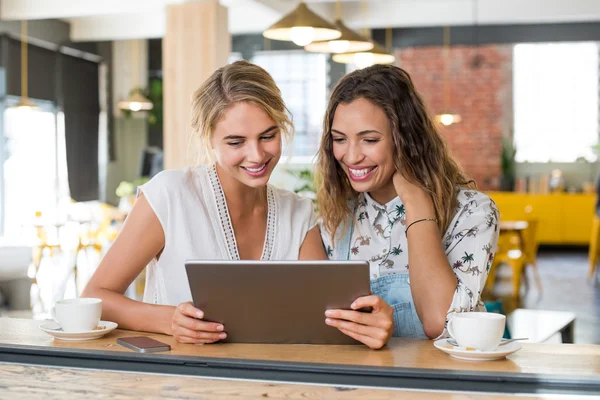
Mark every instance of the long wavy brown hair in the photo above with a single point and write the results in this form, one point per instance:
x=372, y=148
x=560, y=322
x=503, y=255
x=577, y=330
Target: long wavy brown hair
x=420, y=151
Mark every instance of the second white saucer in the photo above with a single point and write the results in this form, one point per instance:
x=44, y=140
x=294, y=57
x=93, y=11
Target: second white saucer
x=52, y=328
x=477, y=355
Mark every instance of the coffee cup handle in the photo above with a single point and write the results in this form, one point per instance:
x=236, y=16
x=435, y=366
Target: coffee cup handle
x=449, y=326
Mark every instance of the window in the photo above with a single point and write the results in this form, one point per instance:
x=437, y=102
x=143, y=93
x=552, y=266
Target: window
x=34, y=167
x=555, y=101
x=302, y=78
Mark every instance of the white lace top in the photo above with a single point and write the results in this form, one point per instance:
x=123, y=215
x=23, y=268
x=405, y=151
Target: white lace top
x=191, y=207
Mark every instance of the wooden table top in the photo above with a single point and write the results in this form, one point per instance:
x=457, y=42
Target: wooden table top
x=559, y=359
x=25, y=382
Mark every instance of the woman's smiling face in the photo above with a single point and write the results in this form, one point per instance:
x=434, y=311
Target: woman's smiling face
x=363, y=146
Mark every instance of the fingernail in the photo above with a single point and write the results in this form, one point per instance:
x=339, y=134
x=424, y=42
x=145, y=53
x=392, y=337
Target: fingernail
x=329, y=313
x=200, y=314
x=328, y=321
x=353, y=305
x=222, y=336
x=220, y=327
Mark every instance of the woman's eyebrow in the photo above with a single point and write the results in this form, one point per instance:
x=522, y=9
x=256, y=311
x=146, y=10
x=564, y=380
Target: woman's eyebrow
x=234, y=136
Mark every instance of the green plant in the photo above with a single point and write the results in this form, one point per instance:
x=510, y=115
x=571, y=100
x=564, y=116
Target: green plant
x=596, y=150
x=306, y=185
x=509, y=151
x=155, y=95
x=306, y=180
x=126, y=188
x=508, y=164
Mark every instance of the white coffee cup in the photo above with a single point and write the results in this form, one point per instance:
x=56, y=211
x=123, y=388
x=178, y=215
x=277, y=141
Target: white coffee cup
x=78, y=315
x=478, y=330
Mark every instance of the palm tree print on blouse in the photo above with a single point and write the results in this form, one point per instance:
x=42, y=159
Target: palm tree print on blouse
x=469, y=243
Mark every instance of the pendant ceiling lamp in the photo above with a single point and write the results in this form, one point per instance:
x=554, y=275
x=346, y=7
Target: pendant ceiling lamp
x=363, y=59
x=25, y=104
x=376, y=55
x=477, y=61
x=136, y=100
x=447, y=117
x=349, y=42
x=302, y=26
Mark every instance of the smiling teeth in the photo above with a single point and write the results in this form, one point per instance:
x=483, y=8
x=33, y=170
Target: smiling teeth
x=254, y=170
x=360, y=172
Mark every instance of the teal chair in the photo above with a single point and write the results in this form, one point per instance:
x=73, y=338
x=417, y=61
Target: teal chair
x=496, y=307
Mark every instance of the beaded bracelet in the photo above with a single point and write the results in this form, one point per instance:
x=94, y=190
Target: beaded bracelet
x=419, y=220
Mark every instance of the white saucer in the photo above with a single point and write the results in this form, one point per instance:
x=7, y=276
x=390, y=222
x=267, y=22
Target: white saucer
x=52, y=328
x=477, y=355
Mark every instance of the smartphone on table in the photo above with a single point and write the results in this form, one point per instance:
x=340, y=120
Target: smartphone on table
x=143, y=344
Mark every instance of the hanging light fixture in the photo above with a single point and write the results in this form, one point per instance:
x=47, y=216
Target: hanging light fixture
x=447, y=117
x=478, y=60
x=363, y=59
x=376, y=55
x=25, y=104
x=302, y=27
x=136, y=100
x=349, y=42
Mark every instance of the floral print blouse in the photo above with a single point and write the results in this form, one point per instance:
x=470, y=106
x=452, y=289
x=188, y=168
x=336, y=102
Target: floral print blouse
x=469, y=243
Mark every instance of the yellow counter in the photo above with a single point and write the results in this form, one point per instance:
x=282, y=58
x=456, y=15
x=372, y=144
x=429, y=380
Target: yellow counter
x=564, y=218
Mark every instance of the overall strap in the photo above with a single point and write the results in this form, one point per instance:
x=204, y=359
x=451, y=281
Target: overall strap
x=344, y=242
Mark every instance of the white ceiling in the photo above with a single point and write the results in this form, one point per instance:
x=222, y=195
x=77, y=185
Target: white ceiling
x=93, y=20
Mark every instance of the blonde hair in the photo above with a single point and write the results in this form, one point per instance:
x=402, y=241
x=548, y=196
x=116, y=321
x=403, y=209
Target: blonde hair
x=420, y=151
x=241, y=81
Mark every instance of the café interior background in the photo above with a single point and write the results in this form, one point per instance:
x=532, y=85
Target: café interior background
x=94, y=99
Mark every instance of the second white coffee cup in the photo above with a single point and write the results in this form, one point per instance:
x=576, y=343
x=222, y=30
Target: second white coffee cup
x=478, y=330
x=78, y=315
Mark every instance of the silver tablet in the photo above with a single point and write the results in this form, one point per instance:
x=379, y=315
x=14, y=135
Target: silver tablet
x=277, y=301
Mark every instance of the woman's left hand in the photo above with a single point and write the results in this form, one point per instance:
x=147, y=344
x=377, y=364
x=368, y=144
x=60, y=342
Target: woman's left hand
x=373, y=329
x=406, y=189
x=417, y=201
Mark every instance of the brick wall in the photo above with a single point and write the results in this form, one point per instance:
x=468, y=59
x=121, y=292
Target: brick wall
x=482, y=95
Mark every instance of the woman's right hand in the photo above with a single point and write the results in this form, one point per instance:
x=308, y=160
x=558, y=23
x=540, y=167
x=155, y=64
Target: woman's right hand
x=188, y=327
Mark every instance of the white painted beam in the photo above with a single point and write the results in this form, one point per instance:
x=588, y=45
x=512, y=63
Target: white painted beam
x=135, y=19
x=250, y=16
x=275, y=5
x=152, y=24
x=46, y=9
x=132, y=19
x=119, y=27
x=414, y=13
x=65, y=9
x=532, y=11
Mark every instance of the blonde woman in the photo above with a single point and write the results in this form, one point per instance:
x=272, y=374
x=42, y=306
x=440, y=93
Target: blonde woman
x=225, y=210
x=391, y=194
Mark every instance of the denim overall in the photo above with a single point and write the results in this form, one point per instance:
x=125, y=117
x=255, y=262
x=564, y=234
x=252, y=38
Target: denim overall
x=394, y=289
